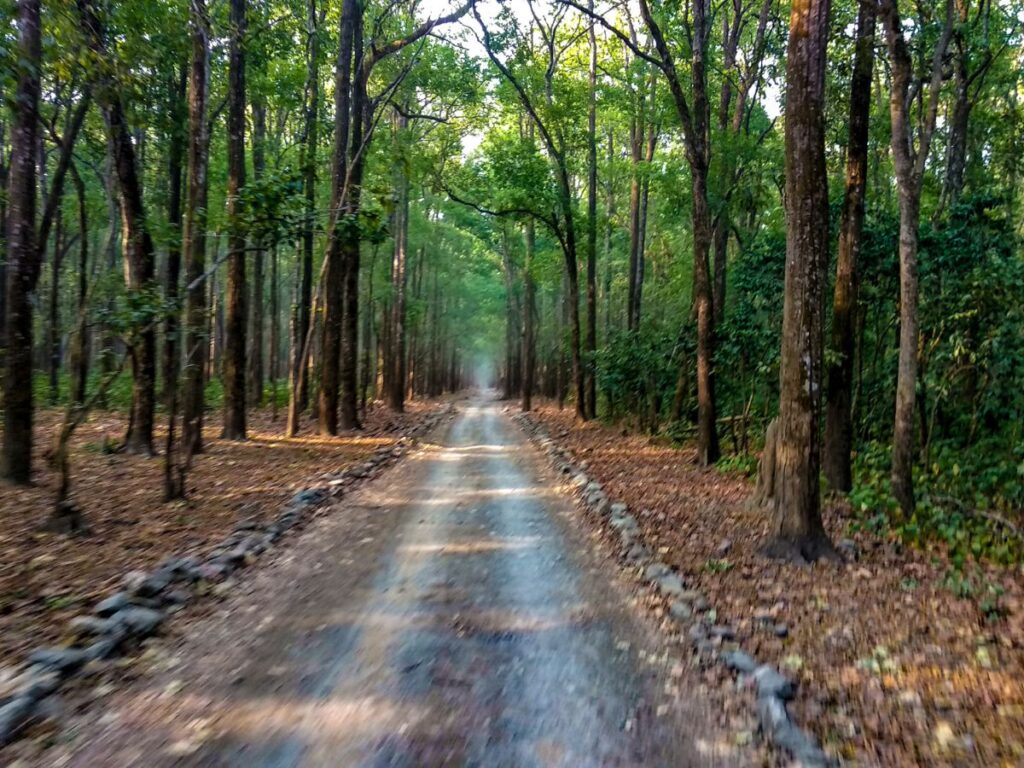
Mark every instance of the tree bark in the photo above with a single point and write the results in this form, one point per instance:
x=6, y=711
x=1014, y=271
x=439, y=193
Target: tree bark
x=839, y=396
x=910, y=166
x=23, y=258
x=397, y=369
x=235, y=320
x=175, y=153
x=590, y=383
x=529, y=309
x=80, y=350
x=194, y=233
x=138, y=244
x=797, y=532
x=256, y=357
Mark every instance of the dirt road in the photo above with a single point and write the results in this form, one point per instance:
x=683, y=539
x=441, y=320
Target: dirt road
x=449, y=613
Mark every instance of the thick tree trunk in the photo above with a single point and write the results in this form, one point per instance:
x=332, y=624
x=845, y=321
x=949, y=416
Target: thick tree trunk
x=796, y=528
x=194, y=233
x=349, y=394
x=23, y=257
x=839, y=415
x=334, y=268
x=234, y=352
x=138, y=245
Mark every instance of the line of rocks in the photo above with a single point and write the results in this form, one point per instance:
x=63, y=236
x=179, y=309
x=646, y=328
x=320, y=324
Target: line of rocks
x=146, y=600
x=687, y=608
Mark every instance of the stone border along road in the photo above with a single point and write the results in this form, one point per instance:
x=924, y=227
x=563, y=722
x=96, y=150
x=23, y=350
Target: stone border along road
x=686, y=606
x=139, y=609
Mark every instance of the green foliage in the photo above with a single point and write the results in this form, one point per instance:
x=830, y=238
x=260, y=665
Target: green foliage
x=637, y=373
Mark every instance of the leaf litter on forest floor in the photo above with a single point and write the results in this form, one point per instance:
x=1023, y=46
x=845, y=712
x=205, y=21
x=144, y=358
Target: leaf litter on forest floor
x=896, y=667
x=46, y=578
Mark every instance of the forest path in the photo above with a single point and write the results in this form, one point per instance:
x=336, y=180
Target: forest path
x=449, y=613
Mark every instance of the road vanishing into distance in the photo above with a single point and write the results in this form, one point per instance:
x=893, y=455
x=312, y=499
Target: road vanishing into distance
x=453, y=611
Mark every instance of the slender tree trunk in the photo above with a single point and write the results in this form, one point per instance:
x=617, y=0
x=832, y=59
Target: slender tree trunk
x=138, y=245
x=796, y=529
x=53, y=321
x=256, y=338
x=275, y=330
x=529, y=310
x=839, y=414
x=194, y=233
x=175, y=154
x=234, y=353
x=910, y=166
x=397, y=373
x=311, y=135
x=23, y=257
x=80, y=351
x=635, y=191
x=590, y=382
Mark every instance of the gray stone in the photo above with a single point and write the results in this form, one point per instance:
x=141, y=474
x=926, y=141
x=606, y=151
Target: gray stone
x=37, y=682
x=624, y=523
x=637, y=553
x=113, y=604
x=619, y=509
x=670, y=584
x=89, y=626
x=772, y=683
x=14, y=716
x=697, y=633
x=724, y=547
x=739, y=662
x=61, y=660
x=849, y=548
x=580, y=480
x=139, y=621
x=723, y=632
x=106, y=646
x=654, y=571
x=680, y=611
x=153, y=584
x=695, y=598
x=781, y=630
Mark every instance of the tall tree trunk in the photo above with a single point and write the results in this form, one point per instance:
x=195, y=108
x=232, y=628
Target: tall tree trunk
x=275, y=330
x=839, y=396
x=590, y=383
x=234, y=352
x=529, y=310
x=796, y=529
x=175, y=154
x=138, y=244
x=311, y=136
x=23, y=257
x=910, y=165
x=259, y=140
x=334, y=266
x=80, y=351
x=635, y=281
x=53, y=321
x=348, y=417
x=194, y=234
x=397, y=372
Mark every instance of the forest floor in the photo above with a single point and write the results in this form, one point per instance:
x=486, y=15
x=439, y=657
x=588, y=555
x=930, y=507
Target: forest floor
x=47, y=578
x=901, y=659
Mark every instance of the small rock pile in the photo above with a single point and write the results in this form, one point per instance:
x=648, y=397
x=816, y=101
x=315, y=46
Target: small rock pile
x=688, y=608
x=145, y=601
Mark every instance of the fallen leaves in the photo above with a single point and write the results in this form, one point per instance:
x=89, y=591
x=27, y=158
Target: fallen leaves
x=896, y=668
